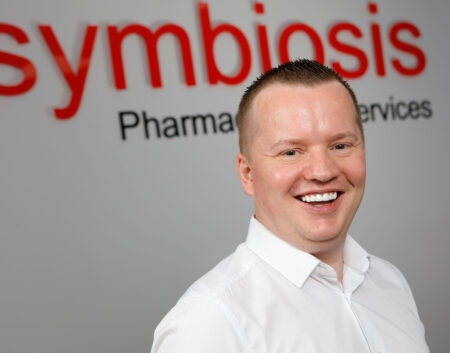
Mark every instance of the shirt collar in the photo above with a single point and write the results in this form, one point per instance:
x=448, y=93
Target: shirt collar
x=294, y=264
x=355, y=256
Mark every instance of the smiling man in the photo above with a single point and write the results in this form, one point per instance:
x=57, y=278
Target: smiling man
x=299, y=283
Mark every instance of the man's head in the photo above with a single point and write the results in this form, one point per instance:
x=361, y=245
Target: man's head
x=303, y=157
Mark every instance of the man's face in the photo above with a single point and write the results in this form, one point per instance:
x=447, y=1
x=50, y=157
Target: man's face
x=306, y=147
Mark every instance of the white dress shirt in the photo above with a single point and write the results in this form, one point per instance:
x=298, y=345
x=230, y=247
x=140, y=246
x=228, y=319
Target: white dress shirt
x=271, y=297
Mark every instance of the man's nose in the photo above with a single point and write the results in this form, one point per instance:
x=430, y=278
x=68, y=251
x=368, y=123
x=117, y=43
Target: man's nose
x=321, y=166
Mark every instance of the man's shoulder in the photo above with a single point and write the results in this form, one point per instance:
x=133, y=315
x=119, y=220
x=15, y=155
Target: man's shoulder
x=386, y=275
x=193, y=324
x=205, y=306
x=215, y=285
x=387, y=271
x=224, y=275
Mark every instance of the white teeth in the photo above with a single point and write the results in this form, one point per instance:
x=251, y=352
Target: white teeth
x=320, y=197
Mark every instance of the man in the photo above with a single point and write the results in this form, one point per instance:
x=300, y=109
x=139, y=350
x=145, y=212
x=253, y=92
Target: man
x=299, y=283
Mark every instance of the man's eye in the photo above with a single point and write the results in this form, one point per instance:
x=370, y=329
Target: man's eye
x=340, y=146
x=290, y=153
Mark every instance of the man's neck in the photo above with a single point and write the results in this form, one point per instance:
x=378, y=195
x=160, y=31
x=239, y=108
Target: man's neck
x=334, y=259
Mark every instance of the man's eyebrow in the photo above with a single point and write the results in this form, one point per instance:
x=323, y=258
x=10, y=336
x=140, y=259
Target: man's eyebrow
x=287, y=142
x=344, y=134
x=296, y=142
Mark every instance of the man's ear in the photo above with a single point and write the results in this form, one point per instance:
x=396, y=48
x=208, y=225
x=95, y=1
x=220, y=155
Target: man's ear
x=245, y=173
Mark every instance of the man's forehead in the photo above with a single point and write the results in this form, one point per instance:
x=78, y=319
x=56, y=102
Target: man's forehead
x=272, y=96
x=318, y=103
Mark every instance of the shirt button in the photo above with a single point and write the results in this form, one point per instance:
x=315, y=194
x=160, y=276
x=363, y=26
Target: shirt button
x=322, y=271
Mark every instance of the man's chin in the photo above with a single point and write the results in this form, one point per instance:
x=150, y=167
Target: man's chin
x=323, y=241
x=321, y=238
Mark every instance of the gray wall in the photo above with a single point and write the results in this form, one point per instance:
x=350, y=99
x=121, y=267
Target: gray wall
x=99, y=236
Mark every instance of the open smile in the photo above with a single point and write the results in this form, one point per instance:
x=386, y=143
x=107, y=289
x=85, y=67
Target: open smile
x=319, y=199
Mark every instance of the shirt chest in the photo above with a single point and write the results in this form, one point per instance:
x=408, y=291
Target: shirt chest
x=319, y=317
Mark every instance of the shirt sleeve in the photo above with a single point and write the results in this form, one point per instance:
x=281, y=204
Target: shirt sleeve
x=407, y=289
x=198, y=325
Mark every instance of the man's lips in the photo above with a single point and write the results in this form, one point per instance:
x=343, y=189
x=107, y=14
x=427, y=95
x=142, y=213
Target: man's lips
x=319, y=198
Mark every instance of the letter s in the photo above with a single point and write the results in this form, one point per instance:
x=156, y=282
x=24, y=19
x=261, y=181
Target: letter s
x=407, y=48
x=19, y=62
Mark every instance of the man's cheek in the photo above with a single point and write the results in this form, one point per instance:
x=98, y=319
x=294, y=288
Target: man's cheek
x=355, y=170
x=284, y=178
